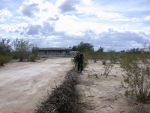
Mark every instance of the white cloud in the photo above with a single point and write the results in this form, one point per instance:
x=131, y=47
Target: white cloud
x=39, y=11
x=125, y=19
x=33, y=1
x=147, y=18
x=146, y=32
x=87, y=2
x=7, y=28
x=47, y=12
x=123, y=6
x=97, y=11
x=5, y=14
x=73, y=25
x=68, y=22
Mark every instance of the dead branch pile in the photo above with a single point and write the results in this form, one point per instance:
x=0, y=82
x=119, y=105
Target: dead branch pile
x=64, y=99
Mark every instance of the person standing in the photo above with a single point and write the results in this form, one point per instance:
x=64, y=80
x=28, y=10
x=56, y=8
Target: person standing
x=80, y=63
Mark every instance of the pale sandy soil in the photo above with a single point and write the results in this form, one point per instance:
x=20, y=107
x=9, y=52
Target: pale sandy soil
x=25, y=84
x=103, y=95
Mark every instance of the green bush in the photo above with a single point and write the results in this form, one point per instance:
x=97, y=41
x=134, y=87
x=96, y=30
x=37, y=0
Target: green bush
x=137, y=76
x=4, y=59
x=87, y=56
x=33, y=58
x=113, y=56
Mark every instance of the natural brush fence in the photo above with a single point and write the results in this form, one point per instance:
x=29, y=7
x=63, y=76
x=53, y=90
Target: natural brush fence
x=64, y=99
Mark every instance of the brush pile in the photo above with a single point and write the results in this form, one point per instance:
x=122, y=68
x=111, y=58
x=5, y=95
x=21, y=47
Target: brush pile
x=64, y=99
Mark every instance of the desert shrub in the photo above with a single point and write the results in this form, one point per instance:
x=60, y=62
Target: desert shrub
x=85, y=63
x=104, y=58
x=5, y=51
x=112, y=55
x=107, y=70
x=137, y=76
x=4, y=59
x=14, y=55
x=22, y=48
x=87, y=55
x=96, y=56
x=32, y=58
x=5, y=48
x=34, y=54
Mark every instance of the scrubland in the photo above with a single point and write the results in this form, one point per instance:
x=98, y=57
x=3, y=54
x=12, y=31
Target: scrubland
x=109, y=83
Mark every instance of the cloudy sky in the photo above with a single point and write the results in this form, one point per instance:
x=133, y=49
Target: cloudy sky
x=112, y=24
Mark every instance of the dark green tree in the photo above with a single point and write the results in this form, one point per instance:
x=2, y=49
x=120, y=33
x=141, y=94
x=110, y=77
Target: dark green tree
x=5, y=47
x=74, y=48
x=35, y=50
x=135, y=50
x=100, y=49
x=5, y=51
x=82, y=47
x=34, y=54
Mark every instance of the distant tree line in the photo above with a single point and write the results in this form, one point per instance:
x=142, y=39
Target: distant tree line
x=18, y=49
x=21, y=49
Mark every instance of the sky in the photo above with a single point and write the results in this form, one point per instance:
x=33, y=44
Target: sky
x=111, y=24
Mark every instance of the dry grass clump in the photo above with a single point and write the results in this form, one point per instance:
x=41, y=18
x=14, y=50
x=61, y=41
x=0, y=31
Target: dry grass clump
x=63, y=99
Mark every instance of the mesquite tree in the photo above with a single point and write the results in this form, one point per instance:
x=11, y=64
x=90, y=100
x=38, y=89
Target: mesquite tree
x=22, y=48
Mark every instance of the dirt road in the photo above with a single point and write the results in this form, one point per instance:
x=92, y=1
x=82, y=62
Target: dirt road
x=24, y=85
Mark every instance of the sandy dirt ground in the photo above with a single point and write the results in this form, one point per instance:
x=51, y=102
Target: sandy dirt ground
x=23, y=85
x=103, y=95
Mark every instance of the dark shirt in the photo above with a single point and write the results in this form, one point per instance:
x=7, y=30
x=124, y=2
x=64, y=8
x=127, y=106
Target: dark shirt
x=80, y=58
